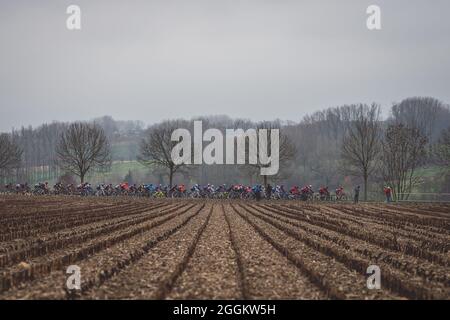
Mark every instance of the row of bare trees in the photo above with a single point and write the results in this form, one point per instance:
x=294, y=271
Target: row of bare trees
x=391, y=151
x=39, y=159
x=327, y=147
x=351, y=140
x=157, y=145
x=363, y=146
x=352, y=144
x=78, y=149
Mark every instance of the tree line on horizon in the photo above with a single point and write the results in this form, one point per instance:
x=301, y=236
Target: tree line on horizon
x=345, y=145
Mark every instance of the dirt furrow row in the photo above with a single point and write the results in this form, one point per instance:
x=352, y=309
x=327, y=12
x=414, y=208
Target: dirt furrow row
x=268, y=273
x=212, y=272
x=104, y=265
x=379, y=237
x=72, y=254
x=395, y=280
x=332, y=276
x=39, y=247
x=153, y=276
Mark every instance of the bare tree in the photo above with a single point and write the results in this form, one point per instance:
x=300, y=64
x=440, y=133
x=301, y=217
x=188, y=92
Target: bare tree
x=361, y=145
x=10, y=153
x=403, y=152
x=287, y=151
x=324, y=164
x=441, y=150
x=321, y=143
x=426, y=114
x=83, y=147
x=156, y=148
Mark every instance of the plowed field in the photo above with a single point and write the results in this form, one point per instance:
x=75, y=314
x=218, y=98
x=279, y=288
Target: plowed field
x=196, y=249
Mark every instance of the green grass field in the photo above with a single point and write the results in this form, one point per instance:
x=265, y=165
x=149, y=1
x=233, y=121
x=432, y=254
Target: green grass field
x=119, y=169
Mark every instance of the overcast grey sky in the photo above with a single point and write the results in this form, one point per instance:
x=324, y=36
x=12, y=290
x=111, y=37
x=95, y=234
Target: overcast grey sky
x=261, y=59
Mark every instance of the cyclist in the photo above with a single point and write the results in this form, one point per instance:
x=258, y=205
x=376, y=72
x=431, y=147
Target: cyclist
x=257, y=189
x=323, y=193
x=339, y=192
x=295, y=191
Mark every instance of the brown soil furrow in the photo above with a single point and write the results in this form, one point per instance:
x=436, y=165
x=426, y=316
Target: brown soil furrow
x=212, y=272
x=266, y=272
x=397, y=281
x=153, y=275
x=65, y=239
x=44, y=265
x=104, y=265
x=332, y=276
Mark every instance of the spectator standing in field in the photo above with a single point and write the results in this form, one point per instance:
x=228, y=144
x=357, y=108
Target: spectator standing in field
x=388, y=194
x=356, y=194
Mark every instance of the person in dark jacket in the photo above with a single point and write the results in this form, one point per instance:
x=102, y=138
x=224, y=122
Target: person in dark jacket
x=356, y=194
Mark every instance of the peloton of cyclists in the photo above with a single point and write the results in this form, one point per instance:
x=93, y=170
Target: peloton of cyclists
x=234, y=191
